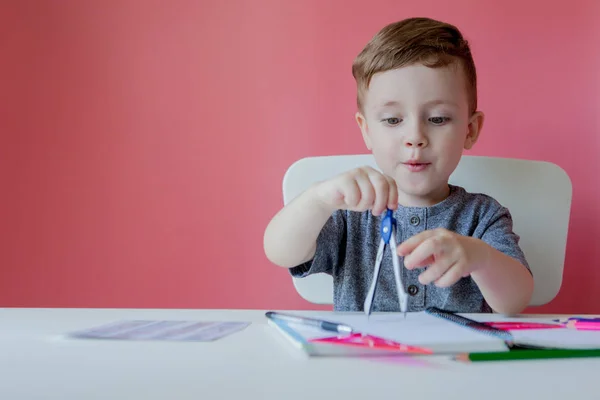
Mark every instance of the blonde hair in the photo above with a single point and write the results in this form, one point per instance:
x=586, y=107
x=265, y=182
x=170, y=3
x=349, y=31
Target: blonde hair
x=415, y=40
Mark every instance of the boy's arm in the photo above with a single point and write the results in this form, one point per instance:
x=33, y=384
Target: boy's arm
x=503, y=277
x=492, y=258
x=505, y=283
x=308, y=229
x=290, y=239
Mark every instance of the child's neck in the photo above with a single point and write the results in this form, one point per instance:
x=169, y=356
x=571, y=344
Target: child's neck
x=432, y=198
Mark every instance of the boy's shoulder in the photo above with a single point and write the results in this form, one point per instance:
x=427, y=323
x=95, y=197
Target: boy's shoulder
x=462, y=201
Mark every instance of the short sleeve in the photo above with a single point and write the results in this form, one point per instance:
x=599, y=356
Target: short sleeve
x=500, y=235
x=330, y=248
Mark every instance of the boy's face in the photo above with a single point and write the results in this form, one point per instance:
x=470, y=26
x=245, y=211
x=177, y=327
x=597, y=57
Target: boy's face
x=416, y=122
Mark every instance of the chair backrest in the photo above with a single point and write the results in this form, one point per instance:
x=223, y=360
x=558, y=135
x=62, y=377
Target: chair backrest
x=537, y=194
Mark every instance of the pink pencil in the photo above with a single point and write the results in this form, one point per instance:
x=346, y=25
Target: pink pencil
x=584, y=325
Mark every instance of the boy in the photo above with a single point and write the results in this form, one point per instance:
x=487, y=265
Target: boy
x=417, y=111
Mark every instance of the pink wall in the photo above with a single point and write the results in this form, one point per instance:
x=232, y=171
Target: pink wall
x=144, y=142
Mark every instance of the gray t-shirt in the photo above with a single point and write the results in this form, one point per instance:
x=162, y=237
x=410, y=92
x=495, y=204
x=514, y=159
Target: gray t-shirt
x=347, y=248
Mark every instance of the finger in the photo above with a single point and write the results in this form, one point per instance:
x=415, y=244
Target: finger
x=436, y=270
x=409, y=245
x=381, y=187
x=425, y=262
x=367, y=192
x=451, y=276
x=392, y=193
x=425, y=251
x=337, y=198
x=350, y=193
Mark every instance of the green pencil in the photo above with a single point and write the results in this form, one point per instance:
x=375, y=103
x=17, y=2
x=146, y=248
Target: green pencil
x=528, y=355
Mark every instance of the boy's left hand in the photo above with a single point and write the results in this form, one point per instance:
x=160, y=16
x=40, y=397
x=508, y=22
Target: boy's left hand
x=448, y=256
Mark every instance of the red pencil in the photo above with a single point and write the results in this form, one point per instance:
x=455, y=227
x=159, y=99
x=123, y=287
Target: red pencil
x=507, y=325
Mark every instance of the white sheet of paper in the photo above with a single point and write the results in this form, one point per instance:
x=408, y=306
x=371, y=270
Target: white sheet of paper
x=162, y=330
x=418, y=329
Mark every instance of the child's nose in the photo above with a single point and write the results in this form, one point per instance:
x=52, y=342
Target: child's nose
x=420, y=141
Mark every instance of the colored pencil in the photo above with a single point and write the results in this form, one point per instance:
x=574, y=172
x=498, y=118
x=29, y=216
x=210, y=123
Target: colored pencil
x=528, y=355
x=583, y=325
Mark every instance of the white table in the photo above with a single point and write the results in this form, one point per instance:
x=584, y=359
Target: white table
x=38, y=362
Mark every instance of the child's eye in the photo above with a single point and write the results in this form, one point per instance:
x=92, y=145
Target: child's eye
x=439, y=120
x=392, y=121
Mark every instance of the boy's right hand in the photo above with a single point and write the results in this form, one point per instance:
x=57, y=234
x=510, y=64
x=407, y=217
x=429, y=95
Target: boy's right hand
x=360, y=189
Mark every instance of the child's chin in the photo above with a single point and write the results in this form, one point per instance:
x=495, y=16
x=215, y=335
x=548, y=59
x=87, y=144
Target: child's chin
x=417, y=188
x=425, y=191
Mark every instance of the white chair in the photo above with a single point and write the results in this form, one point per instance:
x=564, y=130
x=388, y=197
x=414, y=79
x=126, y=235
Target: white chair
x=538, y=195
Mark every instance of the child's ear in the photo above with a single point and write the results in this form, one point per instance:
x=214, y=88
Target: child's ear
x=364, y=128
x=474, y=129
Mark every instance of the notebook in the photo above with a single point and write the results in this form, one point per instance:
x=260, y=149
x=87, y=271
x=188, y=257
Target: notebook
x=428, y=332
x=421, y=332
